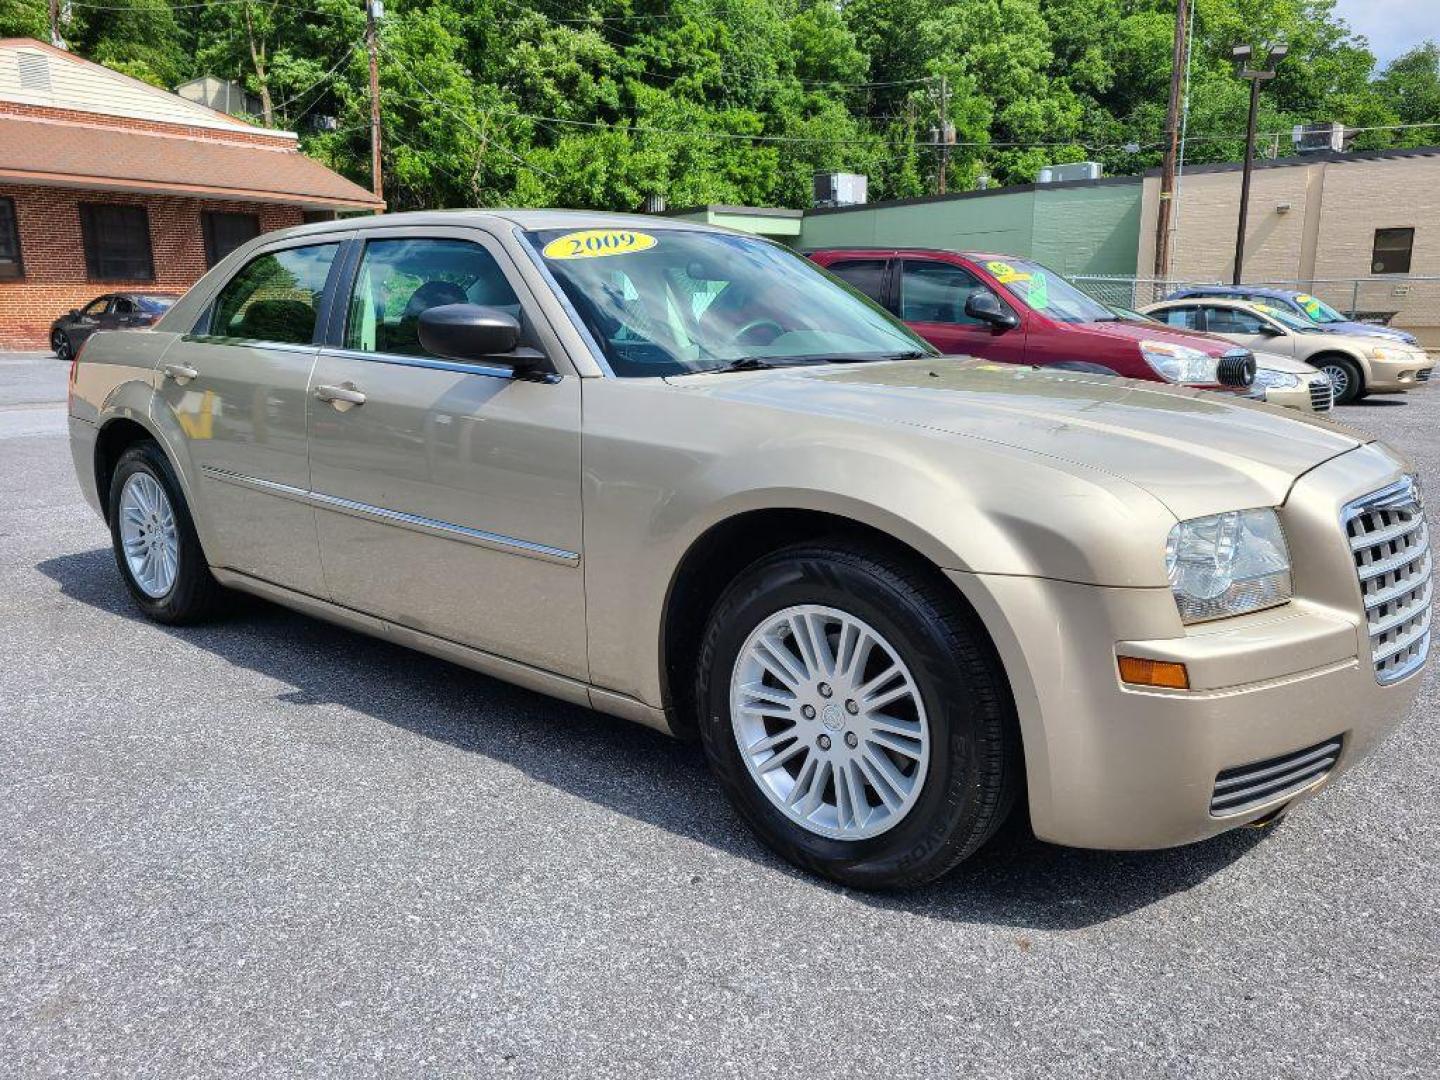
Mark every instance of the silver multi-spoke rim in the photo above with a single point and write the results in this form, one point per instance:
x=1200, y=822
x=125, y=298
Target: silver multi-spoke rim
x=148, y=535
x=830, y=722
x=1339, y=380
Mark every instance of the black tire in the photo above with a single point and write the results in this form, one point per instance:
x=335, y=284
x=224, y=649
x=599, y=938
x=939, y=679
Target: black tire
x=1345, y=371
x=195, y=593
x=60, y=343
x=975, y=770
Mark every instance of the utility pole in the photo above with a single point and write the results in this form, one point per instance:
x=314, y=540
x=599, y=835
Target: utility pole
x=1172, y=141
x=1256, y=76
x=376, y=184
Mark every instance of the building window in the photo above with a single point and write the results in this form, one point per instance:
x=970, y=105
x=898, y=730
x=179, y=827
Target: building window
x=1392, y=251
x=226, y=232
x=10, y=264
x=117, y=242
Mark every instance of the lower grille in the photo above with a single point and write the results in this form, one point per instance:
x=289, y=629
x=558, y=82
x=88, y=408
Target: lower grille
x=1322, y=395
x=1391, y=547
x=1246, y=786
x=1423, y=375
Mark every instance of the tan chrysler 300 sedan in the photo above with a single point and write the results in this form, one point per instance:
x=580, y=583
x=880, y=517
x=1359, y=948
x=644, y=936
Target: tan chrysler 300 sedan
x=1356, y=364
x=683, y=476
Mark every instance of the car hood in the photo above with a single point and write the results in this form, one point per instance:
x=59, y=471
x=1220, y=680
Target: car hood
x=1287, y=364
x=1195, y=451
x=1364, y=329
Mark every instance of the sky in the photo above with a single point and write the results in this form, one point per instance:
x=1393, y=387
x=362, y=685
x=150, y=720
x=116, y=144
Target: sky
x=1393, y=26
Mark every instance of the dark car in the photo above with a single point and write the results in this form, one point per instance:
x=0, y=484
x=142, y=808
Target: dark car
x=1301, y=304
x=113, y=311
x=1005, y=308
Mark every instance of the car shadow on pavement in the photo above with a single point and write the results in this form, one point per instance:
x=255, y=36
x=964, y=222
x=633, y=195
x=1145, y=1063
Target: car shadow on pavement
x=1016, y=881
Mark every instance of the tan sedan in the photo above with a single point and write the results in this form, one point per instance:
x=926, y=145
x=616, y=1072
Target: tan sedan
x=1357, y=364
x=685, y=477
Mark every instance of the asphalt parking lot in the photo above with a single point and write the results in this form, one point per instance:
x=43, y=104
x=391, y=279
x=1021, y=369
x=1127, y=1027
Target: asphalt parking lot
x=268, y=847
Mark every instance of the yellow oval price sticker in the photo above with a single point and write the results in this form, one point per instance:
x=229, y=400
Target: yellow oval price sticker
x=595, y=243
x=1005, y=273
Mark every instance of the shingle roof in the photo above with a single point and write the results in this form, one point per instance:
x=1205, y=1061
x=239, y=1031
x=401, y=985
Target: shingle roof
x=110, y=158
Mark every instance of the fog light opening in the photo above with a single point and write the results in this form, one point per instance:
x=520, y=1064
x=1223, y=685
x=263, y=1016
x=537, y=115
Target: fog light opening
x=1166, y=674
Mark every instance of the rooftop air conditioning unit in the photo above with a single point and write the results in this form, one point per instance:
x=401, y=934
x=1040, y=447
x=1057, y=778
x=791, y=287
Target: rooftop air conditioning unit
x=839, y=189
x=1075, y=170
x=1317, y=138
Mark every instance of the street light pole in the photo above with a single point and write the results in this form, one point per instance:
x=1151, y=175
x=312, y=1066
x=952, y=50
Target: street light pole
x=1255, y=76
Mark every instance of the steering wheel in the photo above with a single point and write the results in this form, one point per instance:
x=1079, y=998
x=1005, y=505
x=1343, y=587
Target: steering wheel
x=746, y=335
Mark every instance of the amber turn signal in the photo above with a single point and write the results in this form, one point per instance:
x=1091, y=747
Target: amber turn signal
x=1164, y=673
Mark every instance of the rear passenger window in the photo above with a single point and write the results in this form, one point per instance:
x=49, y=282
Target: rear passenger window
x=1187, y=318
x=275, y=297
x=399, y=279
x=867, y=275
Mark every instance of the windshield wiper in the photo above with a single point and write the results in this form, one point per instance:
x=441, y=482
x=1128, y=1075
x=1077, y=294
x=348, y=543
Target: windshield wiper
x=745, y=363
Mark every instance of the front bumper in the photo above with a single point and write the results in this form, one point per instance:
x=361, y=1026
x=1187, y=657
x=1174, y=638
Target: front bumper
x=1303, y=397
x=1121, y=767
x=1394, y=376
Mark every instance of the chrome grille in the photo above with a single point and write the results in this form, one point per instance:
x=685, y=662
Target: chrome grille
x=1322, y=395
x=1391, y=547
x=1246, y=786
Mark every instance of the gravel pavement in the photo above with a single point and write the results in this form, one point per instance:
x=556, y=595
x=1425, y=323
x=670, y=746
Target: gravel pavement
x=270, y=847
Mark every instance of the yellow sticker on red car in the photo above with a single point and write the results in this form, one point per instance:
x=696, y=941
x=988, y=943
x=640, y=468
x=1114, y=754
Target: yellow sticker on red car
x=595, y=243
x=1005, y=273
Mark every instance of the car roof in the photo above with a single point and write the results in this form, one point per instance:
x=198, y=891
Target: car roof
x=901, y=249
x=1235, y=290
x=525, y=219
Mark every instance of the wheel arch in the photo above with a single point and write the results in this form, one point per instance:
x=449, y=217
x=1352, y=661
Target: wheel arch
x=719, y=554
x=1317, y=360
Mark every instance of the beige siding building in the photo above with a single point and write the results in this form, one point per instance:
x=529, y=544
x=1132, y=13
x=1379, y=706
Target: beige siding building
x=1357, y=230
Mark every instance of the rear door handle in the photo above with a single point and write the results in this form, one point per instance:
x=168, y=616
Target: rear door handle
x=180, y=373
x=340, y=396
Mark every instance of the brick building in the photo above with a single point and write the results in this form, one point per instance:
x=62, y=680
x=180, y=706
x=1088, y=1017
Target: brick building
x=108, y=184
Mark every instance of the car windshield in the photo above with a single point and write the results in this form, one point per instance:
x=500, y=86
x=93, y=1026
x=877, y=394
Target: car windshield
x=1047, y=292
x=675, y=301
x=1318, y=310
x=155, y=305
x=1287, y=318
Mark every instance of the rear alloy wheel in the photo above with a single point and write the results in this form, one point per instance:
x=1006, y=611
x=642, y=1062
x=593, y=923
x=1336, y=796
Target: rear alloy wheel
x=60, y=343
x=856, y=714
x=156, y=547
x=1345, y=378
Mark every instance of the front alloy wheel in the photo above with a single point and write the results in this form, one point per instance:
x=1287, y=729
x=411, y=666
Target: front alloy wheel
x=60, y=343
x=855, y=711
x=830, y=722
x=1344, y=378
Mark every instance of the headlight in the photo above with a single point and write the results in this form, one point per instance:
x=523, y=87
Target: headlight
x=1228, y=564
x=1268, y=379
x=1391, y=352
x=1180, y=363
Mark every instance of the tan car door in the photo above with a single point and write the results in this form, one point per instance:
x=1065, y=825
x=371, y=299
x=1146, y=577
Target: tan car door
x=237, y=392
x=448, y=493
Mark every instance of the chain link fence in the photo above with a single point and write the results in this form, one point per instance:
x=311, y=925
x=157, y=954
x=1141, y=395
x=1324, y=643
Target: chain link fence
x=1408, y=303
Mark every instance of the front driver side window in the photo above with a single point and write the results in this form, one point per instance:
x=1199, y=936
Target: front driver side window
x=1187, y=318
x=275, y=297
x=936, y=292
x=1233, y=321
x=399, y=279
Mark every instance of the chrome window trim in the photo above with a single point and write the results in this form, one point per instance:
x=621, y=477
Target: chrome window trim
x=496, y=371
x=249, y=343
x=429, y=526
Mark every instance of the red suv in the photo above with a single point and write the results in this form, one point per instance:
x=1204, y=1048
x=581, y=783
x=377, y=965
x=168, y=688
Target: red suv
x=1005, y=308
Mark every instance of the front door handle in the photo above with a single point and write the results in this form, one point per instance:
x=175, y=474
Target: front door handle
x=180, y=373
x=342, y=397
